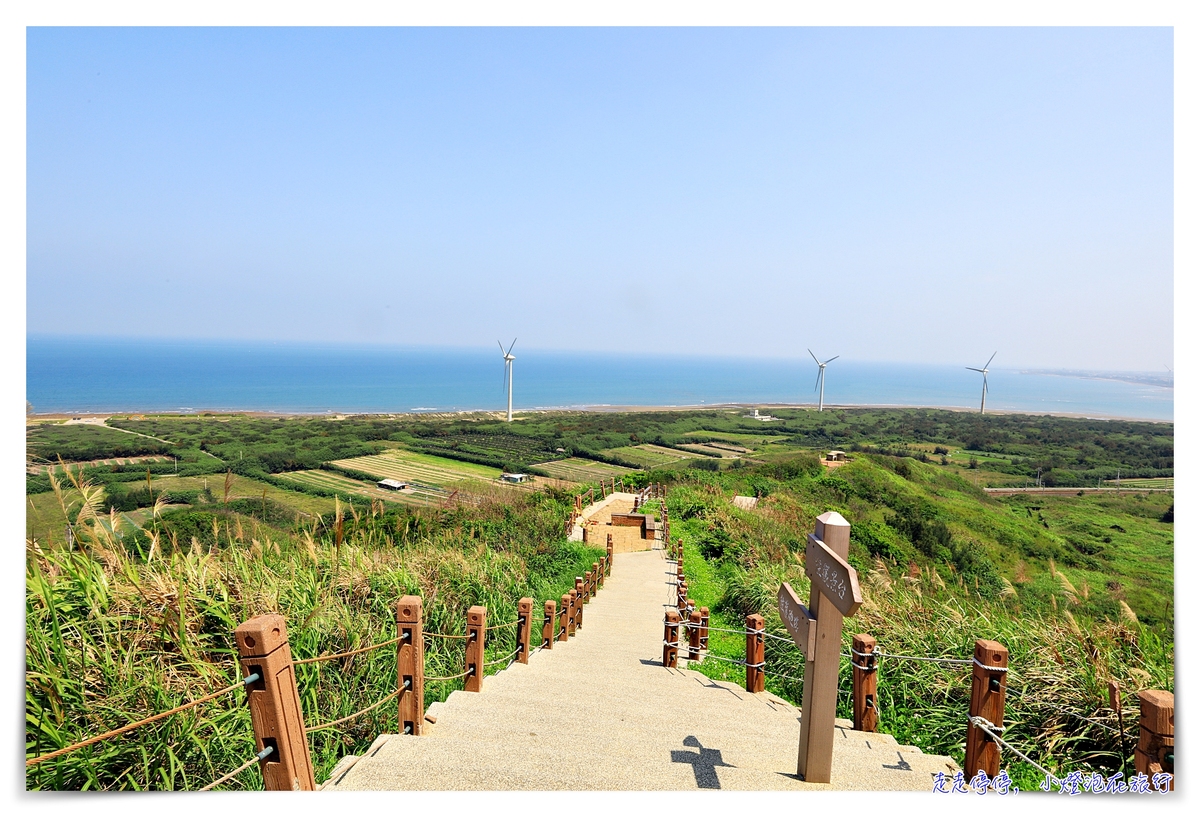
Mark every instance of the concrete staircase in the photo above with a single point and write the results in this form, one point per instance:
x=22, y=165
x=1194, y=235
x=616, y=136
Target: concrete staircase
x=600, y=712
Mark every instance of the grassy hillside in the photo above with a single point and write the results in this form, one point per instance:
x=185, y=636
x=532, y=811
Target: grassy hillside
x=137, y=614
x=941, y=565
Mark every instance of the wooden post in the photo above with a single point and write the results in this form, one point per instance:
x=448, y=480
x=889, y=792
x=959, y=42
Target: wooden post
x=815, y=757
x=989, y=679
x=704, y=628
x=565, y=618
x=596, y=578
x=585, y=527
x=1155, y=751
x=476, y=641
x=580, y=598
x=694, y=621
x=274, y=702
x=682, y=599
x=573, y=621
x=671, y=639
x=410, y=665
x=756, y=644
x=548, y=611
x=863, y=666
x=524, y=628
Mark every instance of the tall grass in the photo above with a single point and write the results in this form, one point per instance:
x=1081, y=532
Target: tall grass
x=117, y=630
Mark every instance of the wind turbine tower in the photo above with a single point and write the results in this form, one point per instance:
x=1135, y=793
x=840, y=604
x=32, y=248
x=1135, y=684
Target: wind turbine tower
x=508, y=359
x=983, y=371
x=821, y=378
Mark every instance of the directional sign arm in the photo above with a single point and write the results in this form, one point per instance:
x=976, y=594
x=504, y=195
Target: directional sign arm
x=799, y=621
x=837, y=580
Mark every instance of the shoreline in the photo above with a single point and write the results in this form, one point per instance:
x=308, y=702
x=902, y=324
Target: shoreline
x=84, y=416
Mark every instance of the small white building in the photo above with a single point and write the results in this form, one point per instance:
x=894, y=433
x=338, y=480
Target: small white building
x=514, y=477
x=392, y=484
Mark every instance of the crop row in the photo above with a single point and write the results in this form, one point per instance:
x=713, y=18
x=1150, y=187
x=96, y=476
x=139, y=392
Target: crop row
x=412, y=468
x=578, y=470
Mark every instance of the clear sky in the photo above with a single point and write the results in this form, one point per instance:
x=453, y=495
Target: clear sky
x=921, y=195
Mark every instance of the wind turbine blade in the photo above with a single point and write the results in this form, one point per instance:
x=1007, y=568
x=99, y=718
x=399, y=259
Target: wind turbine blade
x=835, y=357
x=510, y=346
x=972, y=368
x=501, y=345
x=985, y=388
x=818, y=380
x=990, y=359
x=814, y=357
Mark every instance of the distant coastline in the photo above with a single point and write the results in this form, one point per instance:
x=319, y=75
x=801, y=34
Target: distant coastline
x=498, y=414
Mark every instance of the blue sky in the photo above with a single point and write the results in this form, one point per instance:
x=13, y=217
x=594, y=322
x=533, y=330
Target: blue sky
x=924, y=195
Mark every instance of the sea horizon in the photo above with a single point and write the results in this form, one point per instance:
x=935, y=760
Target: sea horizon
x=90, y=375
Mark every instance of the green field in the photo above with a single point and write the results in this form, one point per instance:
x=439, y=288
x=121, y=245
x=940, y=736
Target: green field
x=1162, y=482
x=647, y=455
x=329, y=481
x=574, y=469
x=749, y=440
x=424, y=469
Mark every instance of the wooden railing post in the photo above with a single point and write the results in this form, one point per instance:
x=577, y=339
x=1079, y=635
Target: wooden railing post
x=704, y=628
x=564, y=621
x=1155, y=751
x=573, y=620
x=694, y=620
x=989, y=680
x=755, y=653
x=585, y=534
x=524, y=628
x=671, y=639
x=410, y=665
x=579, y=600
x=863, y=666
x=274, y=702
x=609, y=550
x=549, y=610
x=597, y=578
x=476, y=641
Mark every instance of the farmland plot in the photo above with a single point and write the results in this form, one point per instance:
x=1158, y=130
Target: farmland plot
x=330, y=481
x=648, y=455
x=574, y=469
x=408, y=466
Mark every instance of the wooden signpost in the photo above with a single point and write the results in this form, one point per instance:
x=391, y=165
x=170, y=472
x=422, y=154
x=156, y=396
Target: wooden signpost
x=817, y=631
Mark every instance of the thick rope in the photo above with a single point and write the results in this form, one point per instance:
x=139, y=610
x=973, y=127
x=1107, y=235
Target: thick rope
x=502, y=660
x=988, y=726
x=240, y=769
x=447, y=677
x=375, y=705
x=348, y=654
x=33, y=761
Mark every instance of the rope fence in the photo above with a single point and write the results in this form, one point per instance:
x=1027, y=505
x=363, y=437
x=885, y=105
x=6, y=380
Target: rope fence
x=33, y=761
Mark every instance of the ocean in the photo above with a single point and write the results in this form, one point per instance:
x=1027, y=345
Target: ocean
x=89, y=375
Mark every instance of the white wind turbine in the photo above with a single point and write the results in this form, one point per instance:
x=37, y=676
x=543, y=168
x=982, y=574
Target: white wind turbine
x=983, y=371
x=508, y=359
x=821, y=378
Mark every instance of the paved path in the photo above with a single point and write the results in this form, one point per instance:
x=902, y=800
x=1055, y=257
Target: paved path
x=600, y=712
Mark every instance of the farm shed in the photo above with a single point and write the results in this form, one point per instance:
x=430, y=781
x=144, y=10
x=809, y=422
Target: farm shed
x=392, y=484
x=514, y=477
x=835, y=456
